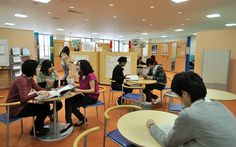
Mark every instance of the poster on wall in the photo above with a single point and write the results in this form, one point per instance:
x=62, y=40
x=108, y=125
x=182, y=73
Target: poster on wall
x=164, y=50
x=76, y=44
x=142, y=44
x=88, y=46
x=135, y=43
x=180, y=51
x=154, y=49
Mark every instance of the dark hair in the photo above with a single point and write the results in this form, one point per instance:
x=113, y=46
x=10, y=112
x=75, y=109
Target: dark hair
x=149, y=62
x=190, y=82
x=29, y=68
x=85, y=67
x=65, y=50
x=153, y=58
x=122, y=59
x=45, y=65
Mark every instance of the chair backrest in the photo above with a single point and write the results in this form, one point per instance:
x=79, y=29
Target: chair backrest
x=1, y=97
x=107, y=117
x=102, y=90
x=84, y=135
x=7, y=105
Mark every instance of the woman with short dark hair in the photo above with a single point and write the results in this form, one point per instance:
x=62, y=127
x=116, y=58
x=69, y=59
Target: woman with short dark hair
x=48, y=78
x=201, y=123
x=20, y=91
x=88, y=94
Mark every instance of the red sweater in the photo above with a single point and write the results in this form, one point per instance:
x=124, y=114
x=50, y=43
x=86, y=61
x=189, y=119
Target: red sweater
x=19, y=92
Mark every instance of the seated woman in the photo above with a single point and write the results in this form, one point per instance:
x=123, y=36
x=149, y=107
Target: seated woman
x=201, y=123
x=48, y=78
x=88, y=89
x=20, y=91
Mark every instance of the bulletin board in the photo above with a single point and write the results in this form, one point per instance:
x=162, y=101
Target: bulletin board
x=108, y=61
x=4, y=53
x=215, y=67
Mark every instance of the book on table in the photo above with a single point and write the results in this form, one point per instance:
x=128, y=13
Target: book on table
x=58, y=92
x=132, y=77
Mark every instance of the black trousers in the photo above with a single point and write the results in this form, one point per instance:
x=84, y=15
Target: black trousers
x=148, y=88
x=58, y=107
x=71, y=105
x=41, y=111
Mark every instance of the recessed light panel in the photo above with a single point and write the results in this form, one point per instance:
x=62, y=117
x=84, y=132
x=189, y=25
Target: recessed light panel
x=9, y=24
x=213, y=15
x=21, y=15
x=42, y=1
x=179, y=1
x=230, y=24
x=179, y=30
x=60, y=29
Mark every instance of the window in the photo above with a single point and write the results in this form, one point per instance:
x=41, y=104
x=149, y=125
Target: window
x=44, y=47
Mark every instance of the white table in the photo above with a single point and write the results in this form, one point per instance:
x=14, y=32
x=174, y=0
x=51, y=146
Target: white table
x=132, y=126
x=214, y=94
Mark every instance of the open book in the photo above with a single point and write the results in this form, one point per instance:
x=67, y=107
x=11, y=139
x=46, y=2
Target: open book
x=53, y=93
x=132, y=77
x=58, y=92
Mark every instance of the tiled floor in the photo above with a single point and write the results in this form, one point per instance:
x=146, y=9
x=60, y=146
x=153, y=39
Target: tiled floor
x=94, y=140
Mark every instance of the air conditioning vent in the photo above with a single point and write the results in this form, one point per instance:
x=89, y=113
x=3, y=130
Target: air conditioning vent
x=76, y=12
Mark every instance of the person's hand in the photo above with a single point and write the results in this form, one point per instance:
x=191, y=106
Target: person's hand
x=144, y=76
x=44, y=93
x=149, y=123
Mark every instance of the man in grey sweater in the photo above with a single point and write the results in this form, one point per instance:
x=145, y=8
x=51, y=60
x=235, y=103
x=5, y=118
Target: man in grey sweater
x=201, y=123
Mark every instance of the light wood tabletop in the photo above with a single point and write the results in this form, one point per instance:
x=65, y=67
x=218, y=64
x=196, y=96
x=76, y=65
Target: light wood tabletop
x=215, y=94
x=132, y=126
x=143, y=81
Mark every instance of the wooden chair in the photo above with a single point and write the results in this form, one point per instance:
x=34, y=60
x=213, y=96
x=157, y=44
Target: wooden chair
x=7, y=120
x=115, y=135
x=84, y=135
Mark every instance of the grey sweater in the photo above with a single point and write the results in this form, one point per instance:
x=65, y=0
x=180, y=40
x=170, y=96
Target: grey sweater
x=203, y=124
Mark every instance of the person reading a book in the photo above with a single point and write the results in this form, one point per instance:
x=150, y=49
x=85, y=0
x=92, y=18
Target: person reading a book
x=118, y=76
x=201, y=123
x=157, y=73
x=48, y=78
x=87, y=94
x=20, y=91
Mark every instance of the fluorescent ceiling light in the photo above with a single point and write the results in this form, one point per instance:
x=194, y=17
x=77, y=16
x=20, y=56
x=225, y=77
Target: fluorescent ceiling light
x=152, y=7
x=94, y=33
x=179, y=1
x=111, y=5
x=9, y=24
x=60, y=29
x=194, y=33
x=213, y=15
x=42, y=1
x=179, y=30
x=164, y=36
x=21, y=15
x=230, y=24
x=144, y=33
x=72, y=7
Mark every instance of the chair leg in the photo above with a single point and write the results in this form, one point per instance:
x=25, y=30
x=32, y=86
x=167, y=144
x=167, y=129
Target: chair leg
x=97, y=111
x=7, y=136
x=85, y=141
x=33, y=127
x=21, y=122
x=85, y=118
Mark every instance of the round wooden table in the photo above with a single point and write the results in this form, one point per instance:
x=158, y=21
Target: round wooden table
x=54, y=128
x=214, y=94
x=132, y=126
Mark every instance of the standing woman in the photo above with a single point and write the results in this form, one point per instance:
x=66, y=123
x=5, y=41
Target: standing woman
x=20, y=91
x=88, y=94
x=64, y=55
x=48, y=78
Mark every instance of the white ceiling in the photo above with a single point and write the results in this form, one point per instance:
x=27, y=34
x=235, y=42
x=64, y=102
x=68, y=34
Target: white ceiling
x=96, y=16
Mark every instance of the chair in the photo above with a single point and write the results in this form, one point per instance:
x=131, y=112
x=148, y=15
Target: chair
x=98, y=103
x=173, y=107
x=112, y=91
x=7, y=120
x=84, y=135
x=134, y=96
x=115, y=135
